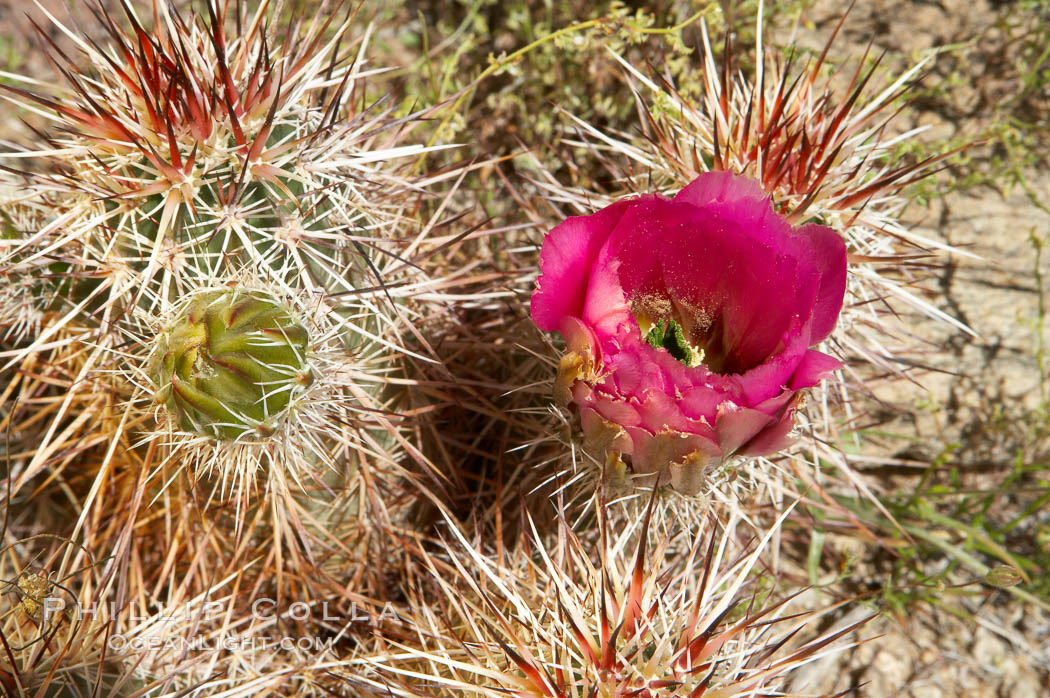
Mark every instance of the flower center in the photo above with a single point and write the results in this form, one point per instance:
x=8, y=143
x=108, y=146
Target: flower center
x=689, y=334
x=668, y=335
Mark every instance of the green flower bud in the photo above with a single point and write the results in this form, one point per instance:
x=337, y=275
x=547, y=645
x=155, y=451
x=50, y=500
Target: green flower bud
x=1003, y=576
x=230, y=364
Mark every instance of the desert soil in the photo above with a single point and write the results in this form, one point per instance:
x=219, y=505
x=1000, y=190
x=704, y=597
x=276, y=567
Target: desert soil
x=1003, y=651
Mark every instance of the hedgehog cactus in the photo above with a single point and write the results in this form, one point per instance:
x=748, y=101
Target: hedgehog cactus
x=188, y=153
x=214, y=283
x=187, y=159
x=26, y=290
x=48, y=602
x=227, y=271
x=815, y=158
x=686, y=617
x=231, y=364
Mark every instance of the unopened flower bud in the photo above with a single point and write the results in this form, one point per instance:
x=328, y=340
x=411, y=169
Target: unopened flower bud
x=231, y=363
x=1003, y=576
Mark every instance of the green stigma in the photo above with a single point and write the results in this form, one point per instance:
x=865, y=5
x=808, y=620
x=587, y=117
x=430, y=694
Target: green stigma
x=230, y=364
x=668, y=335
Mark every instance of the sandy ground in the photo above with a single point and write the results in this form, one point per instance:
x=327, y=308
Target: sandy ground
x=1003, y=651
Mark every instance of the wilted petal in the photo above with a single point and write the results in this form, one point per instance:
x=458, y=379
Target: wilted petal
x=688, y=477
x=654, y=453
x=601, y=435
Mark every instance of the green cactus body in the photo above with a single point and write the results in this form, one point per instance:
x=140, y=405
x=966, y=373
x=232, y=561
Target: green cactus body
x=231, y=364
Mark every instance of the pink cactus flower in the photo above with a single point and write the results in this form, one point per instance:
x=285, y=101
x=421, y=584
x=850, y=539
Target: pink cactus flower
x=689, y=324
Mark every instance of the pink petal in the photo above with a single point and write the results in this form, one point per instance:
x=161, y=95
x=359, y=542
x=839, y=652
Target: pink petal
x=579, y=338
x=827, y=252
x=720, y=187
x=612, y=408
x=737, y=425
x=742, y=200
x=813, y=368
x=773, y=375
x=566, y=261
x=775, y=437
x=659, y=411
x=701, y=402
